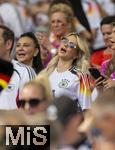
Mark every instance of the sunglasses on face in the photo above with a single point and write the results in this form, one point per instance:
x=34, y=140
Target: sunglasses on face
x=32, y=102
x=65, y=41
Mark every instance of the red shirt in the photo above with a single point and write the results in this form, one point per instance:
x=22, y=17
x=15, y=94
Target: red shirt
x=98, y=57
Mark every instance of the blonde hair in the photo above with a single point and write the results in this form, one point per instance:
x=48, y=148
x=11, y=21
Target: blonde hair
x=67, y=10
x=42, y=81
x=111, y=64
x=81, y=62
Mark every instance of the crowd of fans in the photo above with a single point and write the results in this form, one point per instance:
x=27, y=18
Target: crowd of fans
x=57, y=67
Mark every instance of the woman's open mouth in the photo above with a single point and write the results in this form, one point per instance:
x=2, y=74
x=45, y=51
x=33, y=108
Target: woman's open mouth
x=63, y=50
x=21, y=54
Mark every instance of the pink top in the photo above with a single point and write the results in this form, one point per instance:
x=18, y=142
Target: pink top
x=56, y=45
x=104, y=68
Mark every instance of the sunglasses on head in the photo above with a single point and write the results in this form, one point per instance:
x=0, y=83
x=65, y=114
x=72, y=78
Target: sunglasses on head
x=65, y=41
x=33, y=102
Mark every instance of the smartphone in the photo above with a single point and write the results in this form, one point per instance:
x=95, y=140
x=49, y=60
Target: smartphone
x=95, y=73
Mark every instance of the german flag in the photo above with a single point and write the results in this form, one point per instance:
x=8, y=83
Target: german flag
x=6, y=71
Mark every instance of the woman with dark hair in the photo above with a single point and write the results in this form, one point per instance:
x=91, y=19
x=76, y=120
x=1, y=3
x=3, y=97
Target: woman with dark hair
x=107, y=69
x=28, y=51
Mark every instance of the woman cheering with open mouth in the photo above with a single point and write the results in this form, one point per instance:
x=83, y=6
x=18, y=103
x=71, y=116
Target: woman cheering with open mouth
x=68, y=70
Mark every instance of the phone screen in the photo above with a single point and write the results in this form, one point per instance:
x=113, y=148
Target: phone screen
x=95, y=73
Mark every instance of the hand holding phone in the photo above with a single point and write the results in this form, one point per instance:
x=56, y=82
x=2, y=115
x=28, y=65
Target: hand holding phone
x=95, y=73
x=97, y=76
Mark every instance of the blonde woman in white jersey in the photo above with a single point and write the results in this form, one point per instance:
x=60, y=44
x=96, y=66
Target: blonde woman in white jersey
x=68, y=70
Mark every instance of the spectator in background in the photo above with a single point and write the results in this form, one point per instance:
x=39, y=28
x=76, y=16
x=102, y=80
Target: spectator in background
x=79, y=27
x=39, y=12
x=90, y=18
x=99, y=122
x=61, y=24
x=107, y=70
x=67, y=70
x=17, y=18
x=104, y=114
x=98, y=57
x=28, y=51
x=108, y=67
x=68, y=113
x=35, y=95
x=62, y=21
x=64, y=15
x=74, y=24
x=108, y=6
x=21, y=74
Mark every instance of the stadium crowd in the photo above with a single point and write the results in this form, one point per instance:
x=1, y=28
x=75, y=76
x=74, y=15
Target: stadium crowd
x=57, y=67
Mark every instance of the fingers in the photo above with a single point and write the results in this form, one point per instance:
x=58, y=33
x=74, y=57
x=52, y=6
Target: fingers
x=99, y=83
x=97, y=80
x=41, y=35
x=109, y=83
x=100, y=80
x=106, y=82
x=43, y=40
x=37, y=34
x=107, y=86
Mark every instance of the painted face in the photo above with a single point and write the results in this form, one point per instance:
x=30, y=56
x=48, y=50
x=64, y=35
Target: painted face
x=106, y=30
x=2, y=45
x=67, y=49
x=31, y=99
x=59, y=24
x=112, y=39
x=26, y=50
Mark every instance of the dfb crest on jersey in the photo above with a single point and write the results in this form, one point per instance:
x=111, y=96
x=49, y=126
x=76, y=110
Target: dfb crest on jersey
x=63, y=83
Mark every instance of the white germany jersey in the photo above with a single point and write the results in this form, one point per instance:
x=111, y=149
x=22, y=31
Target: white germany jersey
x=68, y=83
x=21, y=75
